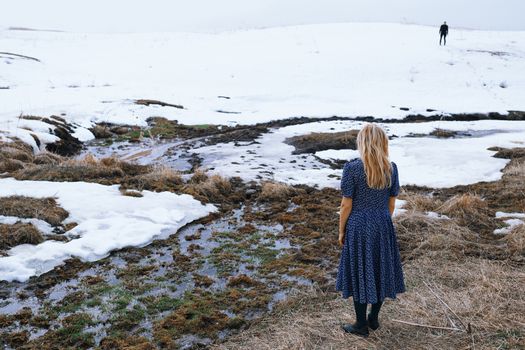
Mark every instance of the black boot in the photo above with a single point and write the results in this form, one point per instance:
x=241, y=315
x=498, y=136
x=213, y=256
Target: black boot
x=373, y=316
x=360, y=327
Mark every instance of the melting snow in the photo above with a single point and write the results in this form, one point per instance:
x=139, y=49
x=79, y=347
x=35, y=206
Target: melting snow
x=106, y=219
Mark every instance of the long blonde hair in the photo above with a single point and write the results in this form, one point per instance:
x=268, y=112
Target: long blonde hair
x=372, y=143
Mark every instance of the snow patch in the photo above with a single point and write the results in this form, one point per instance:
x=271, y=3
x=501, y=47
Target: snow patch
x=424, y=161
x=106, y=219
x=515, y=220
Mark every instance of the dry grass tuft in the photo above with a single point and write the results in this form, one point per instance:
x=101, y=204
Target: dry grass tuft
x=419, y=202
x=443, y=133
x=45, y=209
x=17, y=151
x=159, y=178
x=419, y=234
x=470, y=211
x=14, y=155
x=215, y=189
x=10, y=165
x=199, y=175
x=47, y=158
x=19, y=233
x=516, y=168
x=516, y=242
x=273, y=191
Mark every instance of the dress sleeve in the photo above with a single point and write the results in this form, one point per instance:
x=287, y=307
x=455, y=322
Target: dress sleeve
x=347, y=181
x=394, y=187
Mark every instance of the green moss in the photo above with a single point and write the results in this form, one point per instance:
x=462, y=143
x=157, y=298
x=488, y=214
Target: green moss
x=265, y=254
x=70, y=303
x=72, y=334
x=128, y=319
x=160, y=303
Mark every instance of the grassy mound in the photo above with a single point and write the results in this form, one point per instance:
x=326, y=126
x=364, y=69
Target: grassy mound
x=45, y=209
x=19, y=233
x=320, y=141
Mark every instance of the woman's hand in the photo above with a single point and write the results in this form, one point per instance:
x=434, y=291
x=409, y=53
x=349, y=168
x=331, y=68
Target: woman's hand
x=341, y=239
x=344, y=213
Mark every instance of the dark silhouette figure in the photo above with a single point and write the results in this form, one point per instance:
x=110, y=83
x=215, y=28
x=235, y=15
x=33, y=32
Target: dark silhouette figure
x=443, y=32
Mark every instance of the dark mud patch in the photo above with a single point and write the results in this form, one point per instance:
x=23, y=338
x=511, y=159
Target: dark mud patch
x=67, y=145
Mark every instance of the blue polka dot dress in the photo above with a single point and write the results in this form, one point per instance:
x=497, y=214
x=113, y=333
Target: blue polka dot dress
x=370, y=266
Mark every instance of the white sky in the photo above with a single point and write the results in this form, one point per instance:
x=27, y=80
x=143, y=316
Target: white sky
x=222, y=15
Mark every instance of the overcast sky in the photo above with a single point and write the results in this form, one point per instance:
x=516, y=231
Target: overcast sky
x=221, y=15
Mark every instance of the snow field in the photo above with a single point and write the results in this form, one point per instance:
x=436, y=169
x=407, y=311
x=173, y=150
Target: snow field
x=352, y=69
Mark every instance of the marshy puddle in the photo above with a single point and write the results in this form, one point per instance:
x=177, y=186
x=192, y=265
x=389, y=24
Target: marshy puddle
x=146, y=284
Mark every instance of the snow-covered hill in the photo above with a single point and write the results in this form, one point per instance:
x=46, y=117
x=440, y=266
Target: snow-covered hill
x=380, y=70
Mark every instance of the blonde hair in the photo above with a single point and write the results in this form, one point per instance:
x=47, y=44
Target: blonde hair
x=372, y=143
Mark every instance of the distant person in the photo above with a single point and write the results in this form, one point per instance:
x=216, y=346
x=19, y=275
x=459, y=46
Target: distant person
x=443, y=32
x=370, y=265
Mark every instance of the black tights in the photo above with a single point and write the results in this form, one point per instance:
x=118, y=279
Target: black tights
x=360, y=312
x=443, y=37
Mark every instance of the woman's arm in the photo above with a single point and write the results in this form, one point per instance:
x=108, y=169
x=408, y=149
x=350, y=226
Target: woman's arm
x=391, y=205
x=344, y=213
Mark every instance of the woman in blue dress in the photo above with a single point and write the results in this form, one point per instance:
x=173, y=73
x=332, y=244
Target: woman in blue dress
x=370, y=266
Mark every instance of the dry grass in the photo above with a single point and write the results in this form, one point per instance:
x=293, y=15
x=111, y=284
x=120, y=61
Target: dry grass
x=320, y=141
x=199, y=175
x=17, y=150
x=482, y=293
x=275, y=192
x=45, y=209
x=444, y=133
x=470, y=211
x=159, y=178
x=419, y=202
x=14, y=155
x=516, y=168
x=515, y=240
x=19, y=233
x=214, y=189
x=47, y=158
x=419, y=234
x=105, y=170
